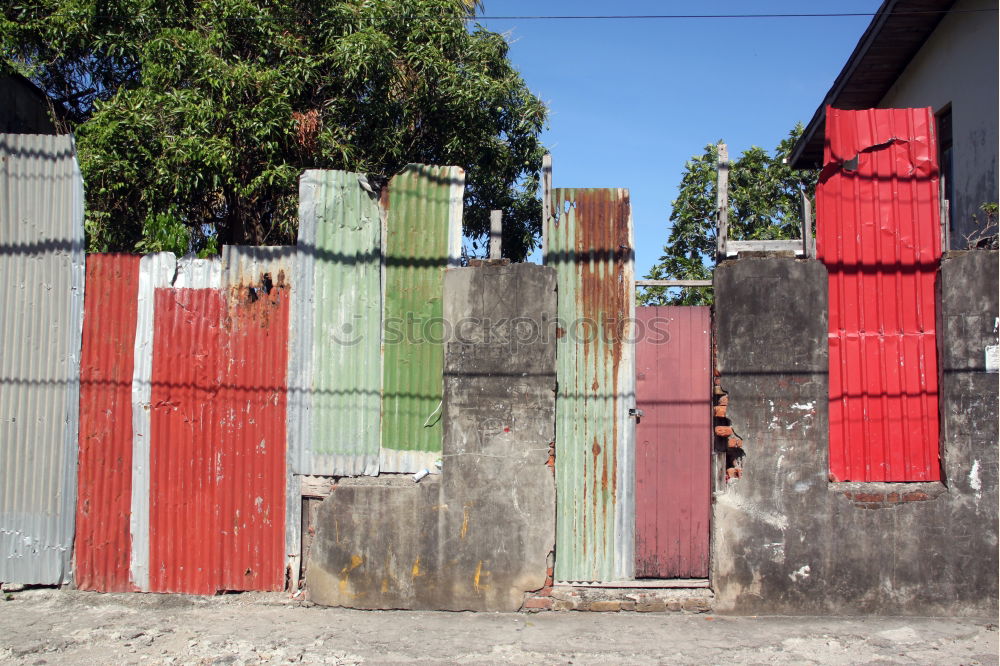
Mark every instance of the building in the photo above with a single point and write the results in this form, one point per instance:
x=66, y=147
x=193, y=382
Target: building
x=929, y=53
x=25, y=110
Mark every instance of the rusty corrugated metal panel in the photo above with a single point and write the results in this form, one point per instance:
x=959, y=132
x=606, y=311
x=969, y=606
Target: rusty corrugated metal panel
x=673, y=441
x=217, y=451
x=590, y=245
x=41, y=315
x=104, y=485
x=335, y=368
x=423, y=209
x=251, y=266
x=878, y=232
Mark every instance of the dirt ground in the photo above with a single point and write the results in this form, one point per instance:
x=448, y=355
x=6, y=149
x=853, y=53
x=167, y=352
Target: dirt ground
x=69, y=627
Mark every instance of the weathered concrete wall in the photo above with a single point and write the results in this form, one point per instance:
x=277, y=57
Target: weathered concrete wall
x=786, y=539
x=476, y=537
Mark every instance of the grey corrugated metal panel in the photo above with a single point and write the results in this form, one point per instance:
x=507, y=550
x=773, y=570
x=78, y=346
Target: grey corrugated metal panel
x=245, y=265
x=41, y=302
x=423, y=208
x=299, y=400
x=590, y=244
x=195, y=273
x=156, y=271
x=337, y=357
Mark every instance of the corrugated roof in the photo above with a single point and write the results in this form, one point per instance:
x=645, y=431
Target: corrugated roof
x=896, y=33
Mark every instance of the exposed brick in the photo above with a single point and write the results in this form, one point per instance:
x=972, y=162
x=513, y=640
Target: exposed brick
x=723, y=431
x=916, y=496
x=563, y=605
x=869, y=497
x=651, y=606
x=734, y=443
x=719, y=411
x=605, y=606
x=544, y=592
x=695, y=605
x=892, y=498
x=723, y=400
x=673, y=606
x=538, y=603
x=628, y=605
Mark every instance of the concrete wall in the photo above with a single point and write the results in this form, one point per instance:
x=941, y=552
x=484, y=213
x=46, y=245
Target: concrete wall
x=785, y=539
x=958, y=66
x=477, y=537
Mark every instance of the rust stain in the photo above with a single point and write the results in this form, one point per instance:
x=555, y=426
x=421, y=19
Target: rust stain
x=415, y=571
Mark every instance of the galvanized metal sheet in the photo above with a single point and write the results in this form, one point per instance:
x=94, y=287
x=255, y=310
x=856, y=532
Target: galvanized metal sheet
x=155, y=271
x=41, y=305
x=423, y=211
x=878, y=232
x=252, y=267
x=590, y=245
x=217, y=453
x=673, y=441
x=104, y=487
x=336, y=367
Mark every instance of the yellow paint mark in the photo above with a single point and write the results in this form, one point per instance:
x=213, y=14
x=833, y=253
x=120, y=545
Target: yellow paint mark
x=477, y=583
x=345, y=573
x=415, y=571
x=465, y=522
x=385, y=585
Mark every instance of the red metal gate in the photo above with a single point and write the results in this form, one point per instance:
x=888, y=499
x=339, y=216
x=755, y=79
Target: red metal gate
x=878, y=232
x=673, y=441
x=217, y=451
x=104, y=471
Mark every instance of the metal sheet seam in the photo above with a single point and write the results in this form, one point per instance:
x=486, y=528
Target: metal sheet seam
x=155, y=271
x=74, y=331
x=300, y=343
x=455, y=205
x=625, y=504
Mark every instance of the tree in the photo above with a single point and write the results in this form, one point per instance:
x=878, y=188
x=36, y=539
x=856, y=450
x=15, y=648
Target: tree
x=763, y=205
x=194, y=118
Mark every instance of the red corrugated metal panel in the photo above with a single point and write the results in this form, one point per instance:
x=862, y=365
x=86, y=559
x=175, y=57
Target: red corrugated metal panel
x=217, y=470
x=104, y=472
x=878, y=232
x=673, y=441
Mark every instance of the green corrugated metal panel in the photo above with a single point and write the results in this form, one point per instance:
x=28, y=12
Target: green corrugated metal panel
x=590, y=245
x=423, y=209
x=340, y=236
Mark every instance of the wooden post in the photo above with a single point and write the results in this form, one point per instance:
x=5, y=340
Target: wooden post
x=546, y=201
x=808, y=241
x=496, y=230
x=722, y=201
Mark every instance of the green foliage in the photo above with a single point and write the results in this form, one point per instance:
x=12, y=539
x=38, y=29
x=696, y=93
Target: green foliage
x=763, y=205
x=195, y=118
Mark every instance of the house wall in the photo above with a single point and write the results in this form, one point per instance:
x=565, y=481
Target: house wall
x=958, y=65
x=786, y=539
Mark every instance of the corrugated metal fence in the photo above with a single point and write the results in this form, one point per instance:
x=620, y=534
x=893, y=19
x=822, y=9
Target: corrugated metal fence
x=192, y=444
x=879, y=234
x=41, y=313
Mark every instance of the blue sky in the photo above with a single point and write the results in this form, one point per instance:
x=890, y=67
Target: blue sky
x=631, y=100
